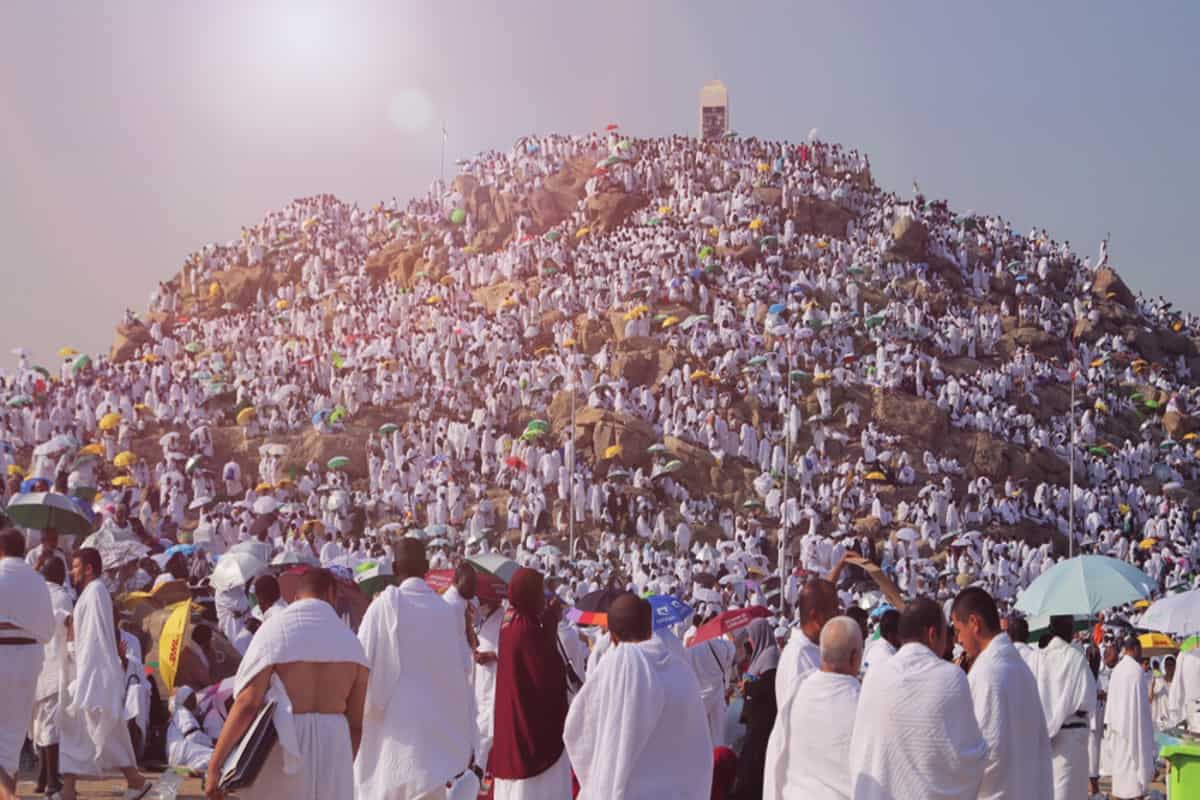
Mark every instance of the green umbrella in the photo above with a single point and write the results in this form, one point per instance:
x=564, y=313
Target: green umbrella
x=372, y=578
x=338, y=414
x=551, y=236
x=458, y=216
x=40, y=370
x=1189, y=644
x=193, y=347
x=704, y=252
x=83, y=362
x=1098, y=451
x=1084, y=585
x=338, y=462
x=388, y=428
x=694, y=319
x=41, y=510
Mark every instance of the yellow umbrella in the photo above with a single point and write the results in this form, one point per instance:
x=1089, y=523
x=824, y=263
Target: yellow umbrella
x=284, y=484
x=763, y=166
x=637, y=311
x=67, y=352
x=308, y=223
x=282, y=304
x=876, y=476
x=1097, y=362
x=214, y=290
x=1101, y=406
x=756, y=223
x=821, y=377
x=714, y=232
x=669, y=321
x=447, y=280
x=1189, y=437
x=822, y=244
x=1147, y=544
x=1123, y=508
x=432, y=300
x=569, y=343
x=1142, y=604
x=664, y=210
x=150, y=358
x=264, y=487
x=110, y=421
x=92, y=449
x=1157, y=644
x=582, y=232
x=125, y=459
x=14, y=469
x=141, y=407
x=172, y=641
x=245, y=415
x=614, y=451
x=123, y=482
x=699, y=375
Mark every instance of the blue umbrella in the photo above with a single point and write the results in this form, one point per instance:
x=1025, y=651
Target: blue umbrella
x=777, y=309
x=668, y=610
x=186, y=549
x=319, y=417
x=696, y=274
x=1084, y=585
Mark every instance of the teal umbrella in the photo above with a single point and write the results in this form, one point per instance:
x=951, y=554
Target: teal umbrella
x=1084, y=585
x=338, y=462
x=388, y=428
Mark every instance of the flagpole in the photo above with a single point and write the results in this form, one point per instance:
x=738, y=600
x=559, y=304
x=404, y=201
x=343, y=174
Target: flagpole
x=443, y=161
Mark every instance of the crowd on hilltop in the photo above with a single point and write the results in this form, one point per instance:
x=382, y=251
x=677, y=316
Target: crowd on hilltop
x=792, y=300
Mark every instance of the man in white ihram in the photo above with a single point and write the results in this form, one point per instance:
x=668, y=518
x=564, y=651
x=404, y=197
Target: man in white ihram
x=811, y=759
x=915, y=735
x=1007, y=707
x=637, y=729
x=94, y=737
x=26, y=624
x=1068, y=692
x=419, y=717
x=802, y=655
x=1129, y=725
x=712, y=661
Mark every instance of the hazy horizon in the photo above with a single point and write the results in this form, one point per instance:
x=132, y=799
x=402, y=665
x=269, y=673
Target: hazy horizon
x=134, y=133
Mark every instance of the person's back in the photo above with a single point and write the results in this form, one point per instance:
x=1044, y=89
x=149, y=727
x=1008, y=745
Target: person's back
x=914, y=733
x=306, y=660
x=1067, y=690
x=638, y=729
x=418, y=726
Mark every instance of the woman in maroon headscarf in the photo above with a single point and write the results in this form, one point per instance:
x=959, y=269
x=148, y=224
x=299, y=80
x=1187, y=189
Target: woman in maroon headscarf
x=528, y=759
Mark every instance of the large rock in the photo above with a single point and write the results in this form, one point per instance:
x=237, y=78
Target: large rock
x=240, y=285
x=591, y=334
x=127, y=340
x=632, y=434
x=911, y=416
x=1108, y=282
x=608, y=210
x=909, y=239
x=1177, y=425
x=983, y=454
x=1035, y=339
x=819, y=217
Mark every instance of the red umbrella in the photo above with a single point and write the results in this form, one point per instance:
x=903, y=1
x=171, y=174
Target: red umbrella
x=514, y=462
x=612, y=126
x=728, y=622
x=487, y=587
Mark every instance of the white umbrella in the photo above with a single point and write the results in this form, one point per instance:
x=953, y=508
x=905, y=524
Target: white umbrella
x=167, y=439
x=1177, y=614
x=549, y=551
x=116, y=554
x=265, y=505
x=235, y=569
x=199, y=502
x=908, y=534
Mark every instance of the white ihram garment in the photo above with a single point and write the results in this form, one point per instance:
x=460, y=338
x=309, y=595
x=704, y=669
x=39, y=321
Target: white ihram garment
x=637, y=729
x=94, y=737
x=1129, y=728
x=24, y=603
x=419, y=718
x=1004, y=694
x=312, y=759
x=799, y=657
x=915, y=735
x=712, y=661
x=1068, y=693
x=485, y=687
x=808, y=766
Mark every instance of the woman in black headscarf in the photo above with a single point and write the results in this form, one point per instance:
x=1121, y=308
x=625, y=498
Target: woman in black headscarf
x=759, y=710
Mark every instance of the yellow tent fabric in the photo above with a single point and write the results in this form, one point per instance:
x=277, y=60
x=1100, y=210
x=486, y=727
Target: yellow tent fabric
x=172, y=641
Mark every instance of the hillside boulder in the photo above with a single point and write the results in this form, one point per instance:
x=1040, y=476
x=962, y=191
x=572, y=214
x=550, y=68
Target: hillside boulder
x=911, y=416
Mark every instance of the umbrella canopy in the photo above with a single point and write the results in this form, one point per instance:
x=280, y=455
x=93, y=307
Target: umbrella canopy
x=41, y=510
x=1177, y=613
x=667, y=610
x=265, y=505
x=1157, y=644
x=728, y=622
x=1084, y=585
x=109, y=421
x=235, y=568
x=495, y=564
x=338, y=462
x=125, y=460
x=245, y=415
x=173, y=640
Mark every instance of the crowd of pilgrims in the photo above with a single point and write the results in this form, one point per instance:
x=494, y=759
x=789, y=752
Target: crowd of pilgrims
x=803, y=319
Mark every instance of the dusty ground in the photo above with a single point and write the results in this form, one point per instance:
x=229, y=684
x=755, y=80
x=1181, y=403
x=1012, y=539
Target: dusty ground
x=189, y=790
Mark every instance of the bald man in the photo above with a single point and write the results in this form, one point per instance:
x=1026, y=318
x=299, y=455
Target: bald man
x=800, y=764
x=818, y=604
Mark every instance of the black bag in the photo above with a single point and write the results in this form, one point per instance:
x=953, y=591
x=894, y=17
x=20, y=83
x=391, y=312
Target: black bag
x=243, y=764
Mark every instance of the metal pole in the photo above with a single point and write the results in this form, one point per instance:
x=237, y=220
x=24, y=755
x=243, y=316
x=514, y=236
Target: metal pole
x=571, y=477
x=787, y=463
x=1071, y=498
x=443, y=160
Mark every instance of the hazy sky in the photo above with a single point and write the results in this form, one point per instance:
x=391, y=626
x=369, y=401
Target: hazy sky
x=132, y=133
